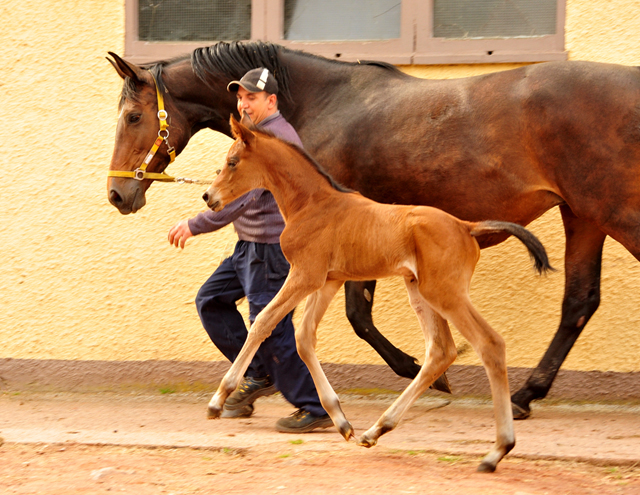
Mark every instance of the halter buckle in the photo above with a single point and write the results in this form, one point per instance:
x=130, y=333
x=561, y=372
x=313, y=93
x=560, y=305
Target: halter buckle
x=138, y=174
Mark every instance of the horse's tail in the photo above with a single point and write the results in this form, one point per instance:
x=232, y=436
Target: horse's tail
x=536, y=250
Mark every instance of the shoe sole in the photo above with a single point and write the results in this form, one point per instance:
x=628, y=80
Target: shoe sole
x=250, y=399
x=238, y=413
x=321, y=423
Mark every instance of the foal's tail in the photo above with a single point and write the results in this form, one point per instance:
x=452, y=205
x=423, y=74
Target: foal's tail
x=536, y=250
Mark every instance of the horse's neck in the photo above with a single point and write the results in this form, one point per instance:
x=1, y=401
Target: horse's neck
x=204, y=105
x=312, y=83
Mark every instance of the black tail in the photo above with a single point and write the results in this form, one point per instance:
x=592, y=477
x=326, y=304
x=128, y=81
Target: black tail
x=536, y=250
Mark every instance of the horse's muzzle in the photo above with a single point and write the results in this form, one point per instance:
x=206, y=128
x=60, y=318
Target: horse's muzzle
x=128, y=200
x=211, y=200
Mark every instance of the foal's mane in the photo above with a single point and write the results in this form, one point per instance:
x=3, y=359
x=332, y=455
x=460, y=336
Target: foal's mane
x=308, y=158
x=232, y=60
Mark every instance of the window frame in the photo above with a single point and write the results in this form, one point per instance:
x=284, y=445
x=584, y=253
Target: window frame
x=416, y=45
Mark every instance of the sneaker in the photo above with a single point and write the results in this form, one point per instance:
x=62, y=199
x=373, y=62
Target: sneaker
x=241, y=412
x=303, y=421
x=248, y=391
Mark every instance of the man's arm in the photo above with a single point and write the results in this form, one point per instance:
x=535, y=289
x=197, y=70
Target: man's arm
x=210, y=221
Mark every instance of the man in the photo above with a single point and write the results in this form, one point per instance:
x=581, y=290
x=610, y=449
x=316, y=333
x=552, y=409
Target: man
x=257, y=269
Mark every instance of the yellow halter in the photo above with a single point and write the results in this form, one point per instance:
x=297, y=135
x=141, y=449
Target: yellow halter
x=163, y=134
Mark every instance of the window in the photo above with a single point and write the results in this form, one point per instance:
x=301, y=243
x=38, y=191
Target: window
x=396, y=31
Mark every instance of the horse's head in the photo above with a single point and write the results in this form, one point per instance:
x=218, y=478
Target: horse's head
x=146, y=136
x=239, y=173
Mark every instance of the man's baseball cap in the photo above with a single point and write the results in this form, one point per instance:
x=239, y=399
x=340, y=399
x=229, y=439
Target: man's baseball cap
x=255, y=81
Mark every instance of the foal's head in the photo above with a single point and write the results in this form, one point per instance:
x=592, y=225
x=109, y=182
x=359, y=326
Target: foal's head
x=238, y=175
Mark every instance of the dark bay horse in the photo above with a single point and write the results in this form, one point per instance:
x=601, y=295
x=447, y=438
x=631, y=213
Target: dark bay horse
x=507, y=146
x=332, y=235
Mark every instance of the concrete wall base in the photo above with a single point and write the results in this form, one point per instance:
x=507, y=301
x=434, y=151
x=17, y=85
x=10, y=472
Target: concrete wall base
x=87, y=376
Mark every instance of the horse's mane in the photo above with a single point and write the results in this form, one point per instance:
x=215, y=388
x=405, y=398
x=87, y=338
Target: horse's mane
x=232, y=60
x=337, y=186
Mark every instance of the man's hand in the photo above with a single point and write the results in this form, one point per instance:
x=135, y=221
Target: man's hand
x=179, y=233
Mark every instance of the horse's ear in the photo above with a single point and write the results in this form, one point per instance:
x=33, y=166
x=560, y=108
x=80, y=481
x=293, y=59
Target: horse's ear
x=242, y=132
x=126, y=69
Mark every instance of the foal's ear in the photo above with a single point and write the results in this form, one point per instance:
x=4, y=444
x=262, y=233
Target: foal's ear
x=126, y=69
x=242, y=132
x=246, y=121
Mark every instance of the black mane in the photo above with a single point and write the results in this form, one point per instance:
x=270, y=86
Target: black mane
x=231, y=61
x=337, y=186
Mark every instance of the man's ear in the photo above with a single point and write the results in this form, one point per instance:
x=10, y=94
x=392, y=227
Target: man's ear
x=126, y=69
x=242, y=132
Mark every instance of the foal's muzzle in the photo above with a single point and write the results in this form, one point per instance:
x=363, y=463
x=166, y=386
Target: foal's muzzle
x=211, y=200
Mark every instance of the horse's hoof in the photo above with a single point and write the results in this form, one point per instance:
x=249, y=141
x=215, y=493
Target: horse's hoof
x=442, y=384
x=346, y=430
x=367, y=442
x=486, y=467
x=213, y=412
x=520, y=412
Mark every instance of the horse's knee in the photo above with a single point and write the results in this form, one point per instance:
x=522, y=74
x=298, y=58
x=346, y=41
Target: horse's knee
x=578, y=308
x=304, y=346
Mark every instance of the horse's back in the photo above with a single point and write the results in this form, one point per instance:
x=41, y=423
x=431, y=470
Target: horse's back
x=507, y=146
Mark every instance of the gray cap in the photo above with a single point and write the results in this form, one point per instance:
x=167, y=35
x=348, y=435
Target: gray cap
x=255, y=81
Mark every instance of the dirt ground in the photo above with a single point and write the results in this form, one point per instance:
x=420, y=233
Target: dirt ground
x=162, y=444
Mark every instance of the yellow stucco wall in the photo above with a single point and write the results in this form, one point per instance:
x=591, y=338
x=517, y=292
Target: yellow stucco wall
x=81, y=282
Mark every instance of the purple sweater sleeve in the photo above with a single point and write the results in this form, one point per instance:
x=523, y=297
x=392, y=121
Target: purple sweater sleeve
x=210, y=221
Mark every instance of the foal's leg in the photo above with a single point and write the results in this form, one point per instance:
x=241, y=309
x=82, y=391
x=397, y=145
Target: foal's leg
x=295, y=288
x=440, y=353
x=306, y=339
x=490, y=347
x=359, y=303
x=583, y=261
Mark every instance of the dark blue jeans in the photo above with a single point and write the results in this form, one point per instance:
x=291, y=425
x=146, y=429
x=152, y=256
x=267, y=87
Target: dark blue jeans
x=256, y=271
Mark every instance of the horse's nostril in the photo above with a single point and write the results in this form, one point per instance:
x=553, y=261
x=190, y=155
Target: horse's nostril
x=114, y=198
x=205, y=196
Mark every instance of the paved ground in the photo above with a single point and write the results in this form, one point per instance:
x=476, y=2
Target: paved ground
x=596, y=432
x=602, y=436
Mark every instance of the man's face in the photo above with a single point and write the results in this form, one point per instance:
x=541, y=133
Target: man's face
x=258, y=105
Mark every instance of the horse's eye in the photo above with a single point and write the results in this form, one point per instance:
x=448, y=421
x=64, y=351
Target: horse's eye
x=133, y=118
x=232, y=164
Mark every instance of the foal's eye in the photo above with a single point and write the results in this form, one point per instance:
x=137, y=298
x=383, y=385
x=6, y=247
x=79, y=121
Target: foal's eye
x=133, y=118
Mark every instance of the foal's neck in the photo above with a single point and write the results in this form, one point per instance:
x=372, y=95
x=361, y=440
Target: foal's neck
x=294, y=182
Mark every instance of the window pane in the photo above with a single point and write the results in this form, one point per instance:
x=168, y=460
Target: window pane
x=463, y=19
x=194, y=20
x=340, y=20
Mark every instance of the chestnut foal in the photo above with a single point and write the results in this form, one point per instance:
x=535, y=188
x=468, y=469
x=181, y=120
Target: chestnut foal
x=332, y=236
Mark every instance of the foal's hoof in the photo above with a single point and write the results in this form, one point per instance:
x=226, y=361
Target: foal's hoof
x=346, y=430
x=520, y=412
x=486, y=467
x=213, y=412
x=367, y=442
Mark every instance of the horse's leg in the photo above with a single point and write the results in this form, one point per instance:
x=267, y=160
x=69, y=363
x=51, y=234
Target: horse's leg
x=440, y=353
x=306, y=339
x=583, y=261
x=490, y=347
x=359, y=303
x=295, y=288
